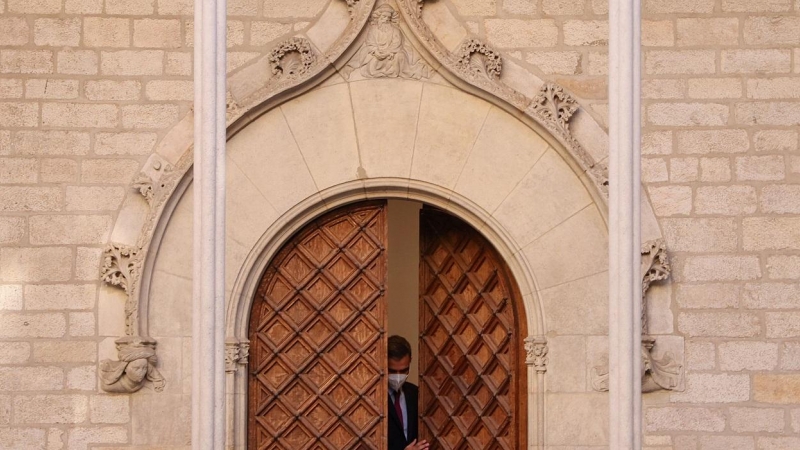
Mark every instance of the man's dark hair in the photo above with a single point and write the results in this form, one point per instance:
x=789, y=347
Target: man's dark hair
x=398, y=347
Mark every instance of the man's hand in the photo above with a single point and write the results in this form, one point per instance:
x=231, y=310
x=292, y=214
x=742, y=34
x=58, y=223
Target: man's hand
x=421, y=445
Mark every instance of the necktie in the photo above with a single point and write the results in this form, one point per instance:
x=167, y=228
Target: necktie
x=397, y=408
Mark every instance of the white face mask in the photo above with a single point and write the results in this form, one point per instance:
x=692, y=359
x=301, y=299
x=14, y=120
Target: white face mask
x=396, y=380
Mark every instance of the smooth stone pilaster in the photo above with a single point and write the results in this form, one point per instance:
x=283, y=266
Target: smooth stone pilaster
x=208, y=311
x=625, y=398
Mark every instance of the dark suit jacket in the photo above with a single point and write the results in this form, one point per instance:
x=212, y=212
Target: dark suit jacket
x=395, y=436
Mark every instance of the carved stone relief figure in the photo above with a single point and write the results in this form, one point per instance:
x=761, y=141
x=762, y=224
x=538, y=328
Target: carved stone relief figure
x=137, y=361
x=385, y=52
x=292, y=58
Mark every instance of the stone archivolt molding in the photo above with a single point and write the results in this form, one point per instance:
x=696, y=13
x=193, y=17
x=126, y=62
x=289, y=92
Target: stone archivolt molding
x=657, y=373
x=296, y=66
x=477, y=59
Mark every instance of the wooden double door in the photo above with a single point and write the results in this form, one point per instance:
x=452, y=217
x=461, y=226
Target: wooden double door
x=318, y=338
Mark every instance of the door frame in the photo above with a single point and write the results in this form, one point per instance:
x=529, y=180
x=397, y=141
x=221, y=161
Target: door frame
x=243, y=289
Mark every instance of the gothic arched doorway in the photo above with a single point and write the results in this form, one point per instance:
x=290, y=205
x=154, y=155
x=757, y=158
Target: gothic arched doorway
x=318, y=336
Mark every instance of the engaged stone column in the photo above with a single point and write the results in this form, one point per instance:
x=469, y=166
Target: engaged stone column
x=208, y=313
x=624, y=240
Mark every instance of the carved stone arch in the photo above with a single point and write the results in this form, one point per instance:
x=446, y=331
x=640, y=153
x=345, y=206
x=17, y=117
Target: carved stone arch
x=145, y=223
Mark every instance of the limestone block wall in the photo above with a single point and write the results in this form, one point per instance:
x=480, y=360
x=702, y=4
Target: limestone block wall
x=89, y=88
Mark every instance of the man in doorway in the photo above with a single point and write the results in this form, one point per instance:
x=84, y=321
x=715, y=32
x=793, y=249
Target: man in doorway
x=403, y=396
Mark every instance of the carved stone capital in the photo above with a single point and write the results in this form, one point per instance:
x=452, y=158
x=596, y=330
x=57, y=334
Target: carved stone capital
x=236, y=353
x=476, y=58
x=136, y=365
x=292, y=58
x=536, y=352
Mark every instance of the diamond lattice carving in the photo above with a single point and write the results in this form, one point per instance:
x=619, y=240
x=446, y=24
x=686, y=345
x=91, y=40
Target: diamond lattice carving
x=318, y=345
x=470, y=394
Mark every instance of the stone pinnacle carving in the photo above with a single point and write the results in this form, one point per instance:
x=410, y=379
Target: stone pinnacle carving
x=655, y=267
x=476, y=58
x=292, y=58
x=121, y=264
x=554, y=105
x=536, y=352
x=136, y=365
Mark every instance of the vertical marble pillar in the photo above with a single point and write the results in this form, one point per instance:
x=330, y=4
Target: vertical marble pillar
x=208, y=312
x=625, y=390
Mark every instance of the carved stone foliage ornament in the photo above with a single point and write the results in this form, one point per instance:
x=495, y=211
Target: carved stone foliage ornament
x=292, y=58
x=148, y=181
x=665, y=372
x=135, y=368
x=536, y=352
x=554, y=105
x=476, y=58
x=386, y=53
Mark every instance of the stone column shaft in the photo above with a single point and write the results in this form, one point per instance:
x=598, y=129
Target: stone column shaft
x=625, y=390
x=208, y=312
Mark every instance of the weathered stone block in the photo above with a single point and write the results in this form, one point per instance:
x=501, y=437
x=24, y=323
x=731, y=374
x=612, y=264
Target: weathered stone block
x=149, y=116
x=26, y=61
x=34, y=6
x=756, y=61
x=57, y=32
x=80, y=438
x=87, y=262
x=10, y=297
x=157, y=33
x=783, y=266
x=660, y=62
x=127, y=143
x=17, y=114
x=700, y=355
x=707, y=295
x=82, y=378
x=18, y=171
x=683, y=170
x=517, y=33
x=713, y=141
x=22, y=438
x=774, y=388
x=564, y=63
x=115, y=90
x=715, y=169
x=79, y=115
x=130, y=7
x=714, y=388
x=106, y=32
x=64, y=351
x=663, y=88
x=577, y=419
x=688, y=114
x=81, y=324
x=658, y=33
x=756, y=420
x=58, y=170
x=761, y=113
x=14, y=352
x=585, y=32
x=700, y=235
x=756, y=5
x=77, y=62
x=109, y=409
x=719, y=324
x=93, y=198
x=169, y=90
x=68, y=229
x=657, y=143
x=51, y=142
x=671, y=200
x=775, y=141
x=684, y=419
x=783, y=325
x=51, y=89
x=14, y=31
x=83, y=7
x=771, y=233
x=60, y=296
x=708, y=32
x=35, y=264
x=726, y=200
x=748, y=355
x=778, y=443
x=654, y=170
x=109, y=171
x=556, y=7
x=34, y=378
x=774, y=30
x=714, y=88
x=132, y=62
x=771, y=296
x=760, y=168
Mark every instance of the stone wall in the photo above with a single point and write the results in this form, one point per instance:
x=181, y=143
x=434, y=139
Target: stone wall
x=89, y=88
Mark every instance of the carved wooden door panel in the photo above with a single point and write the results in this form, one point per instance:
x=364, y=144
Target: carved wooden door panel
x=317, y=337
x=472, y=384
